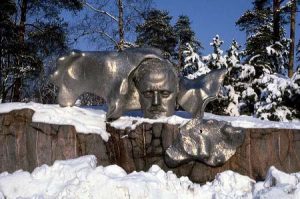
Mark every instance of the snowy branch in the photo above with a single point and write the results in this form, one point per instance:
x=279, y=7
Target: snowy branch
x=108, y=36
x=101, y=11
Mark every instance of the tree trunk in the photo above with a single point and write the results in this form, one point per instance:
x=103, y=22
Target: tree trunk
x=18, y=81
x=292, y=37
x=121, y=26
x=276, y=20
x=180, y=63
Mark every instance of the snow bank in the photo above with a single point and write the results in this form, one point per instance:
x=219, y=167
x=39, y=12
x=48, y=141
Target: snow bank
x=85, y=120
x=80, y=178
x=251, y=122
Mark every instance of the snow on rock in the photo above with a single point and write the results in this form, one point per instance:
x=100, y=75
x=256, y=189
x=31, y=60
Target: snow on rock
x=85, y=120
x=80, y=178
x=132, y=122
x=92, y=119
x=251, y=122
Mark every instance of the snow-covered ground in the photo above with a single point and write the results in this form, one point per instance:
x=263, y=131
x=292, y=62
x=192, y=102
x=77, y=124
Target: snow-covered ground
x=80, y=178
x=92, y=119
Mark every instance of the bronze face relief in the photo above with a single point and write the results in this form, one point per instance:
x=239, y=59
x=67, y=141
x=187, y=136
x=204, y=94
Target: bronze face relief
x=140, y=78
x=157, y=85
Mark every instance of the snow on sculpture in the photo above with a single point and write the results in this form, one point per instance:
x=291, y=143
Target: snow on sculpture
x=141, y=78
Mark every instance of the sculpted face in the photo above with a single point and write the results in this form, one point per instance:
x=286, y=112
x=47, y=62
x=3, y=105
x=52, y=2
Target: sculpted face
x=157, y=84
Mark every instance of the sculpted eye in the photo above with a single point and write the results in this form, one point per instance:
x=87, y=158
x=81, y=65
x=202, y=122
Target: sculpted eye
x=147, y=94
x=165, y=93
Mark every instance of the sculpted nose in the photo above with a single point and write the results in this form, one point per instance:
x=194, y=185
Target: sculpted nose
x=156, y=98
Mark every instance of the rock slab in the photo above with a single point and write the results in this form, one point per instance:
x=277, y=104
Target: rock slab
x=25, y=145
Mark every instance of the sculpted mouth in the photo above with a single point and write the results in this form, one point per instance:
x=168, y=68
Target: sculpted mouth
x=156, y=111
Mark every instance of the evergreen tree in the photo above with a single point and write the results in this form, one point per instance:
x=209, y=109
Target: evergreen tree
x=295, y=99
x=36, y=32
x=185, y=35
x=193, y=65
x=233, y=54
x=216, y=59
x=156, y=31
x=258, y=24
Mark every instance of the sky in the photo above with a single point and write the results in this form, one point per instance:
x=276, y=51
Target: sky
x=210, y=17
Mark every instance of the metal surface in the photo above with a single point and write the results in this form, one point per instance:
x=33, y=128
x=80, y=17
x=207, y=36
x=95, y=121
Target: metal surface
x=104, y=73
x=141, y=78
x=209, y=141
x=157, y=84
x=195, y=94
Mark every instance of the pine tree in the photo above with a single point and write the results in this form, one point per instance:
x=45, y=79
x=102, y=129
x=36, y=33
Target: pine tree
x=262, y=33
x=36, y=32
x=216, y=60
x=156, y=31
x=296, y=92
x=193, y=65
x=8, y=46
x=185, y=35
x=233, y=54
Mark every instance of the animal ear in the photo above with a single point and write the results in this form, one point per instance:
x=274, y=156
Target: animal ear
x=196, y=93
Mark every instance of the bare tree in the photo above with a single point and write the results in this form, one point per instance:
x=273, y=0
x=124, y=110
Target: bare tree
x=110, y=23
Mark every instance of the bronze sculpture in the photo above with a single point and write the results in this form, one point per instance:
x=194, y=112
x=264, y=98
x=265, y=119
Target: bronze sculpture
x=157, y=84
x=141, y=78
x=104, y=73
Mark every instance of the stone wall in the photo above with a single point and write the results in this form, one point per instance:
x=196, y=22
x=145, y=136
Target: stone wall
x=26, y=145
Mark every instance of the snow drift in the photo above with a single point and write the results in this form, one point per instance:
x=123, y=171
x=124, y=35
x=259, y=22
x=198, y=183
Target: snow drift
x=80, y=178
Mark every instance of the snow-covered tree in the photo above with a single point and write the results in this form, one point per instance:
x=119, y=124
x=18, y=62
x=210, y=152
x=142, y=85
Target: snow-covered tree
x=296, y=91
x=275, y=92
x=242, y=97
x=193, y=66
x=233, y=54
x=216, y=60
x=264, y=32
x=185, y=34
x=279, y=53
